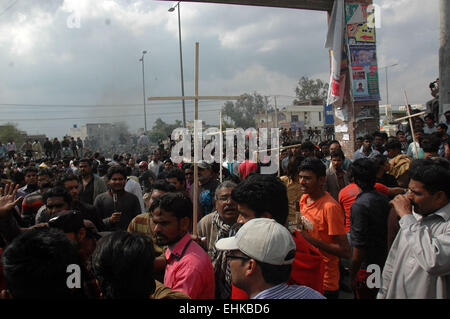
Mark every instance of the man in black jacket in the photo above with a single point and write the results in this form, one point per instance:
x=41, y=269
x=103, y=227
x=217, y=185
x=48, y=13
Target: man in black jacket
x=117, y=207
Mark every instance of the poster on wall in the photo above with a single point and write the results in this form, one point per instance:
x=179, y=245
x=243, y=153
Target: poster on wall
x=362, y=52
x=360, y=28
x=364, y=73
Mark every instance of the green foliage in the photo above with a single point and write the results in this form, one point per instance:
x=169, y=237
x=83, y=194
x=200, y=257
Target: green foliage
x=242, y=112
x=162, y=130
x=309, y=89
x=10, y=132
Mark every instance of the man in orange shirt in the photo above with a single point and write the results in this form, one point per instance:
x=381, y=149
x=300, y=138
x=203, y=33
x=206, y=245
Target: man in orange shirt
x=328, y=233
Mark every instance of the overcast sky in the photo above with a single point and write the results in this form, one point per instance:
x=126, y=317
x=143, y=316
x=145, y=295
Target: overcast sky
x=77, y=61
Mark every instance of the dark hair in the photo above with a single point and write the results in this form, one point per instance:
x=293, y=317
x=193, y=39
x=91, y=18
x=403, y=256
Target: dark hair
x=275, y=274
x=177, y=173
x=162, y=185
x=102, y=169
x=307, y=145
x=86, y=160
x=314, y=165
x=433, y=176
x=379, y=160
x=234, y=178
x=335, y=142
x=368, y=137
x=263, y=193
x=364, y=173
x=66, y=178
x=293, y=166
x=30, y=169
x=177, y=204
x=443, y=126
x=398, y=132
x=45, y=172
x=324, y=143
x=186, y=166
x=116, y=170
x=377, y=134
x=430, y=143
x=123, y=265
x=430, y=116
x=393, y=145
x=57, y=191
x=445, y=163
x=418, y=118
x=35, y=265
x=70, y=221
x=337, y=153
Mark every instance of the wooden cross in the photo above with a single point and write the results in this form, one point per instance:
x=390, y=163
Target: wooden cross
x=196, y=98
x=279, y=149
x=221, y=143
x=409, y=117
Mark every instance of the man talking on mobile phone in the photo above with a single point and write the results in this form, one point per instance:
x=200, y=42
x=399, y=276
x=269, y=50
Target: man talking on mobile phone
x=117, y=207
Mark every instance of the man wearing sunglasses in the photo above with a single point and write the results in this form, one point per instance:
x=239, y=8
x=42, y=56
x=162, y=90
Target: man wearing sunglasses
x=261, y=256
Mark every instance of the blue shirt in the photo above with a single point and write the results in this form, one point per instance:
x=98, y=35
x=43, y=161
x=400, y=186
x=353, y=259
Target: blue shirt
x=360, y=154
x=283, y=291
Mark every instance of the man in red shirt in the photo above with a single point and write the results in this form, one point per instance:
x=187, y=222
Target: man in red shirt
x=247, y=166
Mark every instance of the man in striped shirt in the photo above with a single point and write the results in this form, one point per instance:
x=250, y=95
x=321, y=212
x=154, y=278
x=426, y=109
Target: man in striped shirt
x=260, y=257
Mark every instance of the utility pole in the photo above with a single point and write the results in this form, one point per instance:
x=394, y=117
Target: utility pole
x=444, y=56
x=276, y=112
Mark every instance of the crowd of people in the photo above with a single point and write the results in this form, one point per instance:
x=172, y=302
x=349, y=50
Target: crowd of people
x=375, y=225
x=315, y=135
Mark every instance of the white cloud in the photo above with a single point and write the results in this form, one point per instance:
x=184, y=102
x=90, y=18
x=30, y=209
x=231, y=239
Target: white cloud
x=25, y=33
x=242, y=49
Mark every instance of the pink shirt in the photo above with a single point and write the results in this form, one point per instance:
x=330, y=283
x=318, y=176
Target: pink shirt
x=189, y=270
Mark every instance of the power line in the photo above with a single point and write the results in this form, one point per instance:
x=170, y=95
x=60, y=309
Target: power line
x=92, y=117
x=159, y=103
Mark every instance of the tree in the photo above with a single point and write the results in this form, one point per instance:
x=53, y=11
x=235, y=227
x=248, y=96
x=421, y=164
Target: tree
x=10, y=132
x=242, y=112
x=309, y=89
x=162, y=130
x=119, y=133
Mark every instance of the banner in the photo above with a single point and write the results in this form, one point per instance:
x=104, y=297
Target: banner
x=328, y=114
x=334, y=42
x=364, y=72
x=362, y=53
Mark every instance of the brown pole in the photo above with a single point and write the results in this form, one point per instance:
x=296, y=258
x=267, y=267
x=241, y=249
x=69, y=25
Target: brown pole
x=411, y=125
x=195, y=201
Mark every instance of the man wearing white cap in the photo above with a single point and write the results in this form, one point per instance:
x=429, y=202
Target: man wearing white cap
x=266, y=251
